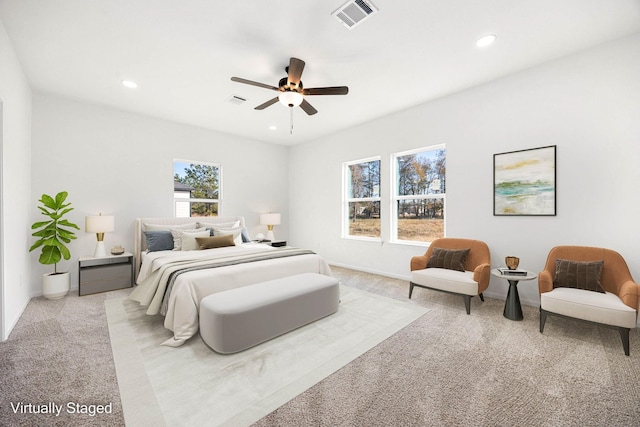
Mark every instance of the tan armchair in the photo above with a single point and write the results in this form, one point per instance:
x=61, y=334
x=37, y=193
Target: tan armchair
x=473, y=281
x=616, y=308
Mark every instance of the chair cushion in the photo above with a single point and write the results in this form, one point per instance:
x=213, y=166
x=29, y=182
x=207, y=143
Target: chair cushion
x=578, y=274
x=452, y=259
x=460, y=282
x=604, y=308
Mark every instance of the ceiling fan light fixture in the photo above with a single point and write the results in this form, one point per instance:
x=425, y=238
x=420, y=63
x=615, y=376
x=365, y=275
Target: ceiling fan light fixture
x=290, y=98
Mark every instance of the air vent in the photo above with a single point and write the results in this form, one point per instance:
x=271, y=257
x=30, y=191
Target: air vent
x=234, y=99
x=354, y=12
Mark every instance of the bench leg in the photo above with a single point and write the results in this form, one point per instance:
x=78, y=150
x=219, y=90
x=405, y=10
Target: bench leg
x=467, y=303
x=543, y=319
x=481, y=296
x=410, y=289
x=624, y=334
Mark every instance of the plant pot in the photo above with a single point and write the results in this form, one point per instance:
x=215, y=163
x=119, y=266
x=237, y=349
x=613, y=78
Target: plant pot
x=55, y=285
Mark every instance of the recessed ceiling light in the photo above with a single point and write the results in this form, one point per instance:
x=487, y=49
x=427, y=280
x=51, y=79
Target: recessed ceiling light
x=273, y=127
x=486, y=40
x=130, y=84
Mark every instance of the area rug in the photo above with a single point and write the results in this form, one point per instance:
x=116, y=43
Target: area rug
x=193, y=385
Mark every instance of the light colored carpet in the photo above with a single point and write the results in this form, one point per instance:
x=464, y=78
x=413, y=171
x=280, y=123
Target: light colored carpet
x=452, y=369
x=192, y=385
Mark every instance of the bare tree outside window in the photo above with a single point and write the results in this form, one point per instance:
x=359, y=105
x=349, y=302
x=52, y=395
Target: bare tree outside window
x=419, y=197
x=196, y=189
x=363, y=198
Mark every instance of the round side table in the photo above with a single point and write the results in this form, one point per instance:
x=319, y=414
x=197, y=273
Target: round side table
x=512, y=307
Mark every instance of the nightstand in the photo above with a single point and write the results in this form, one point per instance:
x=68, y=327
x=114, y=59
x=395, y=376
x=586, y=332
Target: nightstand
x=105, y=273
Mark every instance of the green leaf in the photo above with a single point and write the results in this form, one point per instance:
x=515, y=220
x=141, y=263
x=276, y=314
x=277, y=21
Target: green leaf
x=60, y=198
x=65, y=252
x=66, y=223
x=42, y=233
x=39, y=224
x=36, y=245
x=50, y=255
x=48, y=202
x=64, y=212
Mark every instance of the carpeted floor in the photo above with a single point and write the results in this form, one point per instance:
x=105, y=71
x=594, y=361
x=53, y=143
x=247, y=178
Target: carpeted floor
x=447, y=368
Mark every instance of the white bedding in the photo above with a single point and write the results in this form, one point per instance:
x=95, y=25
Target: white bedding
x=191, y=287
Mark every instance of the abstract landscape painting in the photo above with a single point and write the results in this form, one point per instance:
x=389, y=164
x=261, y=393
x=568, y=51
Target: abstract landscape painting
x=524, y=182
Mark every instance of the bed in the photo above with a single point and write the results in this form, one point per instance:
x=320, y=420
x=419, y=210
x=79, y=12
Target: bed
x=173, y=282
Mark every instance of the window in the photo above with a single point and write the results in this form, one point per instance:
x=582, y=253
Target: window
x=196, y=189
x=419, y=196
x=362, y=198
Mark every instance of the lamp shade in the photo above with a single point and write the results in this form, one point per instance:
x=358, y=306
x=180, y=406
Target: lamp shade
x=290, y=98
x=270, y=219
x=99, y=224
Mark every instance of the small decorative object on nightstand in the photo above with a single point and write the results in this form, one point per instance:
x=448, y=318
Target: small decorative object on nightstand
x=102, y=274
x=512, y=262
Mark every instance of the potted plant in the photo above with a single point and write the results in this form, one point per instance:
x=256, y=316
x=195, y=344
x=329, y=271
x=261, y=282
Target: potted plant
x=53, y=235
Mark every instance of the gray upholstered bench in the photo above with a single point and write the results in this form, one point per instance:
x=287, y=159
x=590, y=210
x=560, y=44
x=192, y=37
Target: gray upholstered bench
x=237, y=319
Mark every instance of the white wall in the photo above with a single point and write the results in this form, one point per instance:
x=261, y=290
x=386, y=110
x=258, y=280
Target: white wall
x=121, y=164
x=15, y=96
x=587, y=104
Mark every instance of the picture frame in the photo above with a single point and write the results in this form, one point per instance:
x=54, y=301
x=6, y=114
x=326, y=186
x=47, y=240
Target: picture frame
x=524, y=182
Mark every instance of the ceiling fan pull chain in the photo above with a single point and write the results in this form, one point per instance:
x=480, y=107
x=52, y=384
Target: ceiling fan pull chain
x=291, y=128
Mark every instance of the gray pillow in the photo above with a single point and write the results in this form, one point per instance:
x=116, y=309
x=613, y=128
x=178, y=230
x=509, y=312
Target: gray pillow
x=451, y=259
x=578, y=274
x=160, y=240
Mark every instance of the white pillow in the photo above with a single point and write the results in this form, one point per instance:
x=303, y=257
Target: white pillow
x=232, y=224
x=236, y=232
x=189, y=242
x=178, y=236
x=169, y=227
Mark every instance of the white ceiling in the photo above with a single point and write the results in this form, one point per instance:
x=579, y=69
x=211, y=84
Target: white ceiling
x=183, y=53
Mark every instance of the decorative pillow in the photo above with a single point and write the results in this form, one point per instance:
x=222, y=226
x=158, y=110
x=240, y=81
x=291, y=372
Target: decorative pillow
x=578, y=274
x=188, y=239
x=235, y=232
x=178, y=234
x=169, y=227
x=451, y=259
x=215, y=241
x=160, y=240
x=245, y=235
x=232, y=224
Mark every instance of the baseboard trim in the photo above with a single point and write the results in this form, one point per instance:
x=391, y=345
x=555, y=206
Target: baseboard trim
x=369, y=270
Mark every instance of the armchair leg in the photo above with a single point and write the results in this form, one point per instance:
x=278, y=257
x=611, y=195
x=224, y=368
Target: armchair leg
x=467, y=303
x=543, y=319
x=410, y=289
x=481, y=296
x=624, y=334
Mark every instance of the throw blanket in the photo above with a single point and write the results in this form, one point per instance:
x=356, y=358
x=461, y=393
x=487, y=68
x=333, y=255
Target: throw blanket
x=283, y=253
x=155, y=290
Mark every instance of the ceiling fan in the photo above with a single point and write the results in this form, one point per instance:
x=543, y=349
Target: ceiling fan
x=292, y=92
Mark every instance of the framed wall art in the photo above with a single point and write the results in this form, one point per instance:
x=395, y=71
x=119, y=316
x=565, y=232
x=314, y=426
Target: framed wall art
x=524, y=182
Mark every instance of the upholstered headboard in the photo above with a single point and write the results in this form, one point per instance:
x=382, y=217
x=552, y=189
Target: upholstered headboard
x=140, y=243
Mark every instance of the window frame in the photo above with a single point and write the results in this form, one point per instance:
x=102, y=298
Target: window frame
x=191, y=200
x=395, y=197
x=346, y=199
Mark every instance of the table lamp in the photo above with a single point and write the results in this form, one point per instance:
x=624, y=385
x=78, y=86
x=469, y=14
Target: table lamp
x=99, y=224
x=270, y=219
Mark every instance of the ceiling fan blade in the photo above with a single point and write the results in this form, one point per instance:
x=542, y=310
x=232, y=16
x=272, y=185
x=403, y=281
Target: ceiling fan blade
x=295, y=71
x=252, y=83
x=334, y=90
x=267, y=104
x=308, y=108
